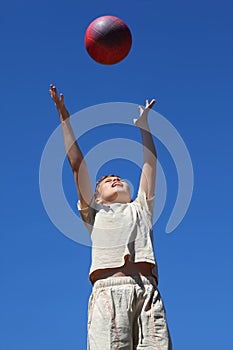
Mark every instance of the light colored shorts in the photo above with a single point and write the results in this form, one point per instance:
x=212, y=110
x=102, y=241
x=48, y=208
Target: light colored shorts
x=127, y=313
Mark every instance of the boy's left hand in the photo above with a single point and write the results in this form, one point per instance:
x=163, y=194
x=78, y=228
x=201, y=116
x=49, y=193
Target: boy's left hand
x=143, y=114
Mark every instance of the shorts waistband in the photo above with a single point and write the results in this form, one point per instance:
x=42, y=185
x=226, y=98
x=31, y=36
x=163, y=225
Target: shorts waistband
x=123, y=280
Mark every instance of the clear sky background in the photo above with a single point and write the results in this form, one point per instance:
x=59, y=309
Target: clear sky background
x=182, y=56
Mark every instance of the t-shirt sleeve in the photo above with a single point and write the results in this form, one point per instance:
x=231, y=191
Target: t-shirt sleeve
x=88, y=215
x=146, y=204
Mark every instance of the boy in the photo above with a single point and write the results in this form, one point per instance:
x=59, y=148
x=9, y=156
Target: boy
x=125, y=309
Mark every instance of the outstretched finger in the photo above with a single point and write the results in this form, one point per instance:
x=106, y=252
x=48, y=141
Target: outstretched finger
x=62, y=98
x=53, y=87
x=54, y=94
x=151, y=104
x=140, y=109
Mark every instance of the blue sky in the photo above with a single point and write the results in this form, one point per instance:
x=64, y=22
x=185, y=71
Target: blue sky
x=182, y=56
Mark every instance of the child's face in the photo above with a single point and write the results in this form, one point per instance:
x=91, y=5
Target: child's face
x=113, y=190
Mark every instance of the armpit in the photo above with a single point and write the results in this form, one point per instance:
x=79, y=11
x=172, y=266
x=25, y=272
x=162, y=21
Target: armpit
x=88, y=216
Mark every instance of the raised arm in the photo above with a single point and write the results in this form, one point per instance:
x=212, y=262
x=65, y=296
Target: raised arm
x=74, y=154
x=148, y=175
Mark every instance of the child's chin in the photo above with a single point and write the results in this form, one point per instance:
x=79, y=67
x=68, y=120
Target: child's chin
x=119, y=189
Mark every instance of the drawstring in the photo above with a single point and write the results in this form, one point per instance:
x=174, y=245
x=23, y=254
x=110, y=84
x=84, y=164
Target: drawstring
x=131, y=297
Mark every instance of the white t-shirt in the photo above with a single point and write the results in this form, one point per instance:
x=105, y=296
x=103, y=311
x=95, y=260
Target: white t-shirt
x=120, y=229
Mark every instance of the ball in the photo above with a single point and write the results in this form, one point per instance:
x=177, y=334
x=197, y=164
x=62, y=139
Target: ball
x=108, y=40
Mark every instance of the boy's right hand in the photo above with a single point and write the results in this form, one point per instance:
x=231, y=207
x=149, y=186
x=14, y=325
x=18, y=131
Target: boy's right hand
x=142, y=121
x=59, y=103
